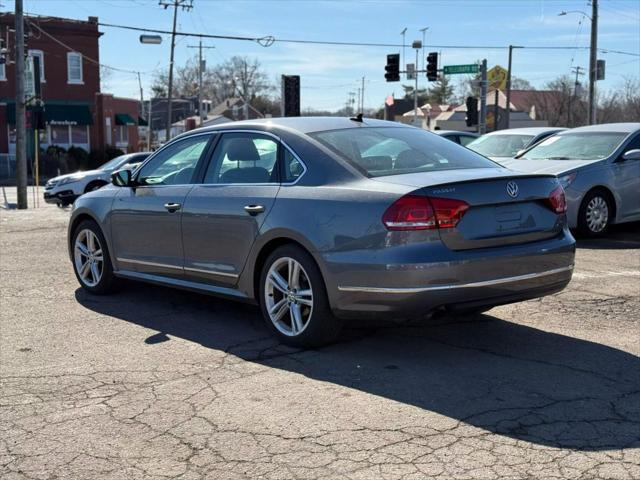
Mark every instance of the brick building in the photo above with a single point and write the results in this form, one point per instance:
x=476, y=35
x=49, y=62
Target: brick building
x=75, y=111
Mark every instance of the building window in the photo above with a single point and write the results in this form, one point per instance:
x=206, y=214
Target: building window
x=122, y=135
x=40, y=55
x=74, y=67
x=3, y=72
x=59, y=134
x=79, y=135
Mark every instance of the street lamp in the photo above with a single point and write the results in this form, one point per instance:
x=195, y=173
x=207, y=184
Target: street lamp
x=423, y=30
x=592, y=55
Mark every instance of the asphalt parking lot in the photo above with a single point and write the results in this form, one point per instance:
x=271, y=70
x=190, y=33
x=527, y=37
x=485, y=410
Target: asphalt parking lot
x=154, y=383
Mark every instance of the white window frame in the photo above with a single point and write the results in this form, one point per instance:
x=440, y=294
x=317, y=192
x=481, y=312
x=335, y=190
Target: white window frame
x=121, y=131
x=73, y=81
x=39, y=54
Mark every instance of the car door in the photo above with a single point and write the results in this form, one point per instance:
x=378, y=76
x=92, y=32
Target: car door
x=223, y=215
x=145, y=219
x=626, y=177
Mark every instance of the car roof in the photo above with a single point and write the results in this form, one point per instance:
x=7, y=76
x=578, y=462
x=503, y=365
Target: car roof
x=527, y=131
x=304, y=124
x=629, y=127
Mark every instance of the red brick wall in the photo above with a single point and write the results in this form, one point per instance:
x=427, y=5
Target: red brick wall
x=82, y=37
x=108, y=106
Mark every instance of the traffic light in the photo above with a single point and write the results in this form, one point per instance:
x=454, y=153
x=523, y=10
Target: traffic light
x=472, y=111
x=432, y=66
x=290, y=95
x=393, y=68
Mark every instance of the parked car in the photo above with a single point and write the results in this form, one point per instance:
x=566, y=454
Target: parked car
x=463, y=138
x=599, y=167
x=506, y=144
x=65, y=189
x=295, y=215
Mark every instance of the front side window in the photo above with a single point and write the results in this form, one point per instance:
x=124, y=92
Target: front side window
x=74, y=67
x=244, y=158
x=576, y=146
x=396, y=150
x=175, y=164
x=507, y=145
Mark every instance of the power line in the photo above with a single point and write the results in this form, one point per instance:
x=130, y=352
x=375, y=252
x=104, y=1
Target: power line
x=269, y=40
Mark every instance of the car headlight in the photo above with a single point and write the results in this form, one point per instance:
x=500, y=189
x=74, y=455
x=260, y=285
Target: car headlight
x=566, y=180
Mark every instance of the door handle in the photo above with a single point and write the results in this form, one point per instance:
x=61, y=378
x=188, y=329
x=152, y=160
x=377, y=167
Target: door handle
x=254, y=209
x=172, y=207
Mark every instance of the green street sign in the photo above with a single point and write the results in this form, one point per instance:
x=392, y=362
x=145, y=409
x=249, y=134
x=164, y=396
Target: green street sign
x=455, y=69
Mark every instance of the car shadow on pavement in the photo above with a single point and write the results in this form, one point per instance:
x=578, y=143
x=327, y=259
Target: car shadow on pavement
x=625, y=236
x=503, y=377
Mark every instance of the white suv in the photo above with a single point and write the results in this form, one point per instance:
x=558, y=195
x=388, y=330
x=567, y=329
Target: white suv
x=64, y=190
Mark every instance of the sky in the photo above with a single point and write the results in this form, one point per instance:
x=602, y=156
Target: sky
x=329, y=73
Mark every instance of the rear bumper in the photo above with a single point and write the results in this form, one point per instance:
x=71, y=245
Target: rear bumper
x=466, y=279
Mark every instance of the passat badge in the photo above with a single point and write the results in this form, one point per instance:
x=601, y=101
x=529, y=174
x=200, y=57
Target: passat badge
x=512, y=189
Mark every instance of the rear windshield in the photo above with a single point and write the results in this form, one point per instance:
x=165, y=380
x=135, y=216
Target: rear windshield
x=580, y=146
x=383, y=151
x=500, y=145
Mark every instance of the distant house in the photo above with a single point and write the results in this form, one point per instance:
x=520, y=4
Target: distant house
x=235, y=108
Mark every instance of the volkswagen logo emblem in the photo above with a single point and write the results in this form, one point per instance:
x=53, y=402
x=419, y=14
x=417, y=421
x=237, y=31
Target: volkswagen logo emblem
x=512, y=189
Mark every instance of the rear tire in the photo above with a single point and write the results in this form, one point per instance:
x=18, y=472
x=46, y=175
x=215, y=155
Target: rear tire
x=594, y=216
x=293, y=299
x=91, y=260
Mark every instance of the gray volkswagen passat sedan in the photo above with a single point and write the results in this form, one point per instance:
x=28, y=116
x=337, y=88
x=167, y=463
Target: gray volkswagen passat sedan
x=297, y=215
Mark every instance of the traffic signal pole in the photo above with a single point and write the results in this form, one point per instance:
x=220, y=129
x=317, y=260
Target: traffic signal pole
x=415, y=93
x=21, y=127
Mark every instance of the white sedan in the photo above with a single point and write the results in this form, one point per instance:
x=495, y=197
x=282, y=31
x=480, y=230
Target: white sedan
x=64, y=190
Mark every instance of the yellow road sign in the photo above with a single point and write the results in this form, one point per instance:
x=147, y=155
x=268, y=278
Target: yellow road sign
x=497, y=78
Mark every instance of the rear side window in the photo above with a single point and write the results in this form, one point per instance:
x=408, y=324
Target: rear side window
x=396, y=150
x=244, y=158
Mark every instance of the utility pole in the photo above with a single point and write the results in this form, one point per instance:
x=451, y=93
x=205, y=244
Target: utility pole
x=362, y=98
x=21, y=127
x=415, y=90
x=185, y=5
x=508, y=119
x=424, y=31
x=404, y=34
x=201, y=67
x=482, y=127
x=592, y=62
x=577, y=71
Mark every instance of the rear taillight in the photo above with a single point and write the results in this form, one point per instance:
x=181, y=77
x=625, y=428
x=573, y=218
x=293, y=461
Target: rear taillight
x=557, y=201
x=413, y=212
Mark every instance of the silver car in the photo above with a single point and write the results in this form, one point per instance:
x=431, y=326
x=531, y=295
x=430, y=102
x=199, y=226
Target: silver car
x=504, y=144
x=599, y=167
x=299, y=216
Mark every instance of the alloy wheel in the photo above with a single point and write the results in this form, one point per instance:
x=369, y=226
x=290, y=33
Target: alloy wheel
x=89, y=261
x=288, y=296
x=597, y=214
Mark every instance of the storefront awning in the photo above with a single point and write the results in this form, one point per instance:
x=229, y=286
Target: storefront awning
x=124, y=119
x=58, y=114
x=142, y=122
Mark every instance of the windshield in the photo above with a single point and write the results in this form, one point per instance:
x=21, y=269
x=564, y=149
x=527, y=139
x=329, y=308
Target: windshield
x=500, y=145
x=396, y=150
x=113, y=163
x=576, y=146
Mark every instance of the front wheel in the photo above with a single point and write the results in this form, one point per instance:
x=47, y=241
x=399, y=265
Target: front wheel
x=91, y=262
x=595, y=213
x=294, y=301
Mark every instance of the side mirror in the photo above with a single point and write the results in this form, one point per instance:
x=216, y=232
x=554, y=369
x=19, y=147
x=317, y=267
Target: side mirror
x=631, y=154
x=121, y=178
